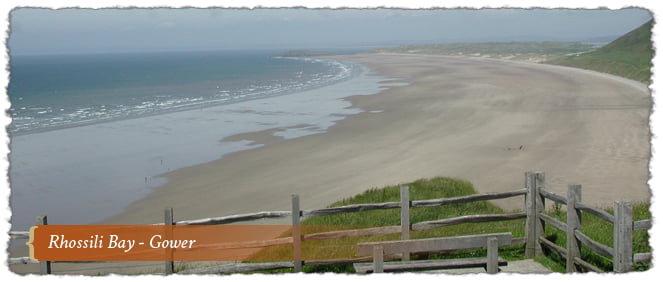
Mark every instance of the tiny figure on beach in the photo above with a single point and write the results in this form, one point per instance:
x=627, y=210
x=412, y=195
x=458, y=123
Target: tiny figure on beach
x=519, y=148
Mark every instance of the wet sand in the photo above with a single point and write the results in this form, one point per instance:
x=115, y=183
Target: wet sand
x=483, y=120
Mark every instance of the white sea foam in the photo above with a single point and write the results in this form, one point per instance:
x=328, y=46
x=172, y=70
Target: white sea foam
x=47, y=119
x=84, y=174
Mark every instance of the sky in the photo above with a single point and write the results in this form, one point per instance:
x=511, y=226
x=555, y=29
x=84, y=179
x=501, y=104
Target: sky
x=75, y=30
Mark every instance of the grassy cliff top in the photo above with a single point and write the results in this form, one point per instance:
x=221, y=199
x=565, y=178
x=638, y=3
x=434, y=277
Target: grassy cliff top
x=629, y=56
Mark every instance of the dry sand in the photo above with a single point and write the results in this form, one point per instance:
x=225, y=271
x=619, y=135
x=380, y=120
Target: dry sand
x=487, y=121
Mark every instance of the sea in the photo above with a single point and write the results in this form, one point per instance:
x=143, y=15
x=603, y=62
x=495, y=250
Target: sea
x=92, y=133
x=51, y=92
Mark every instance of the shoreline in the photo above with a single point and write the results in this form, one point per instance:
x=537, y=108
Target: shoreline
x=402, y=136
x=242, y=138
x=124, y=158
x=263, y=139
x=348, y=72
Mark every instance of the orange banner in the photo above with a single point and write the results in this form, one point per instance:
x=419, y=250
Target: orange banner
x=162, y=243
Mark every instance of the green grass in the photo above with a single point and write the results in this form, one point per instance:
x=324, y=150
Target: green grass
x=629, y=56
x=512, y=50
x=419, y=190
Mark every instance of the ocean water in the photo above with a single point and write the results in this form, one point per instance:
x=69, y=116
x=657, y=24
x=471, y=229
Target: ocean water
x=51, y=92
x=91, y=134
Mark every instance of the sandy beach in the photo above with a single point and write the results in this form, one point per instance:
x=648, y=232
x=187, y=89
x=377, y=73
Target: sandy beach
x=483, y=120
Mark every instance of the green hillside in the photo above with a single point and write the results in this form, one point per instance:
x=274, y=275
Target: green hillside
x=520, y=51
x=629, y=56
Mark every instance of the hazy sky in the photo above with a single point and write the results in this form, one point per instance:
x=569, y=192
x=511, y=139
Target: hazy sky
x=129, y=30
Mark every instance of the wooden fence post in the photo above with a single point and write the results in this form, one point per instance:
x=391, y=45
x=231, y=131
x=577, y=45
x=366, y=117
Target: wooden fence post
x=296, y=235
x=530, y=210
x=540, y=208
x=44, y=266
x=168, y=222
x=623, y=237
x=573, y=222
x=405, y=217
x=492, y=247
x=378, y=259
x=535, y=205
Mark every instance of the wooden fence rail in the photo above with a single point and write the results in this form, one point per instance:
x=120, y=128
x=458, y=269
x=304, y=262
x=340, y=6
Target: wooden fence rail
x=466, y=219
x=19, y=234
x=235, y=218
x=535, y=196
x=405, y=204
x=469, y=198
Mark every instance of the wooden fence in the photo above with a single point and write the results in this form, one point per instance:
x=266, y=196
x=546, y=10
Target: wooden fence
x=622, y=220
x=534, y=193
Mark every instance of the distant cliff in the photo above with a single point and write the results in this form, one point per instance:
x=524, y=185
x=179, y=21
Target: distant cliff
x=629, y=56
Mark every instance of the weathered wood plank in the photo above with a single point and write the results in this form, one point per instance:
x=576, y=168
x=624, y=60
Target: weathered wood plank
x=553, y=221
x=21, y=260
x=573, y=223
x=540, y=182
x=491, y=256
x=27, y=260
x=588, y=265
x=19, y=234
x=596, y=212
x=239, y=267
x=296, y=235
x=378, y=259
x=553, y=246
x=44, y=266
x=552, y=196
x=518, y=241
x=642, y=257
x=341, y=261
x=530, y=221
x=434, y=244
x=534, y=205
x=405, y=217
x=623, y=237
x=596, y=246
x=245, y=244
x=644, y=224
x=235, y=218
x=466, y=219
x=353, y=233
x=351, y=208
x=469, y=198
x=396, y=266
x=169, y=220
